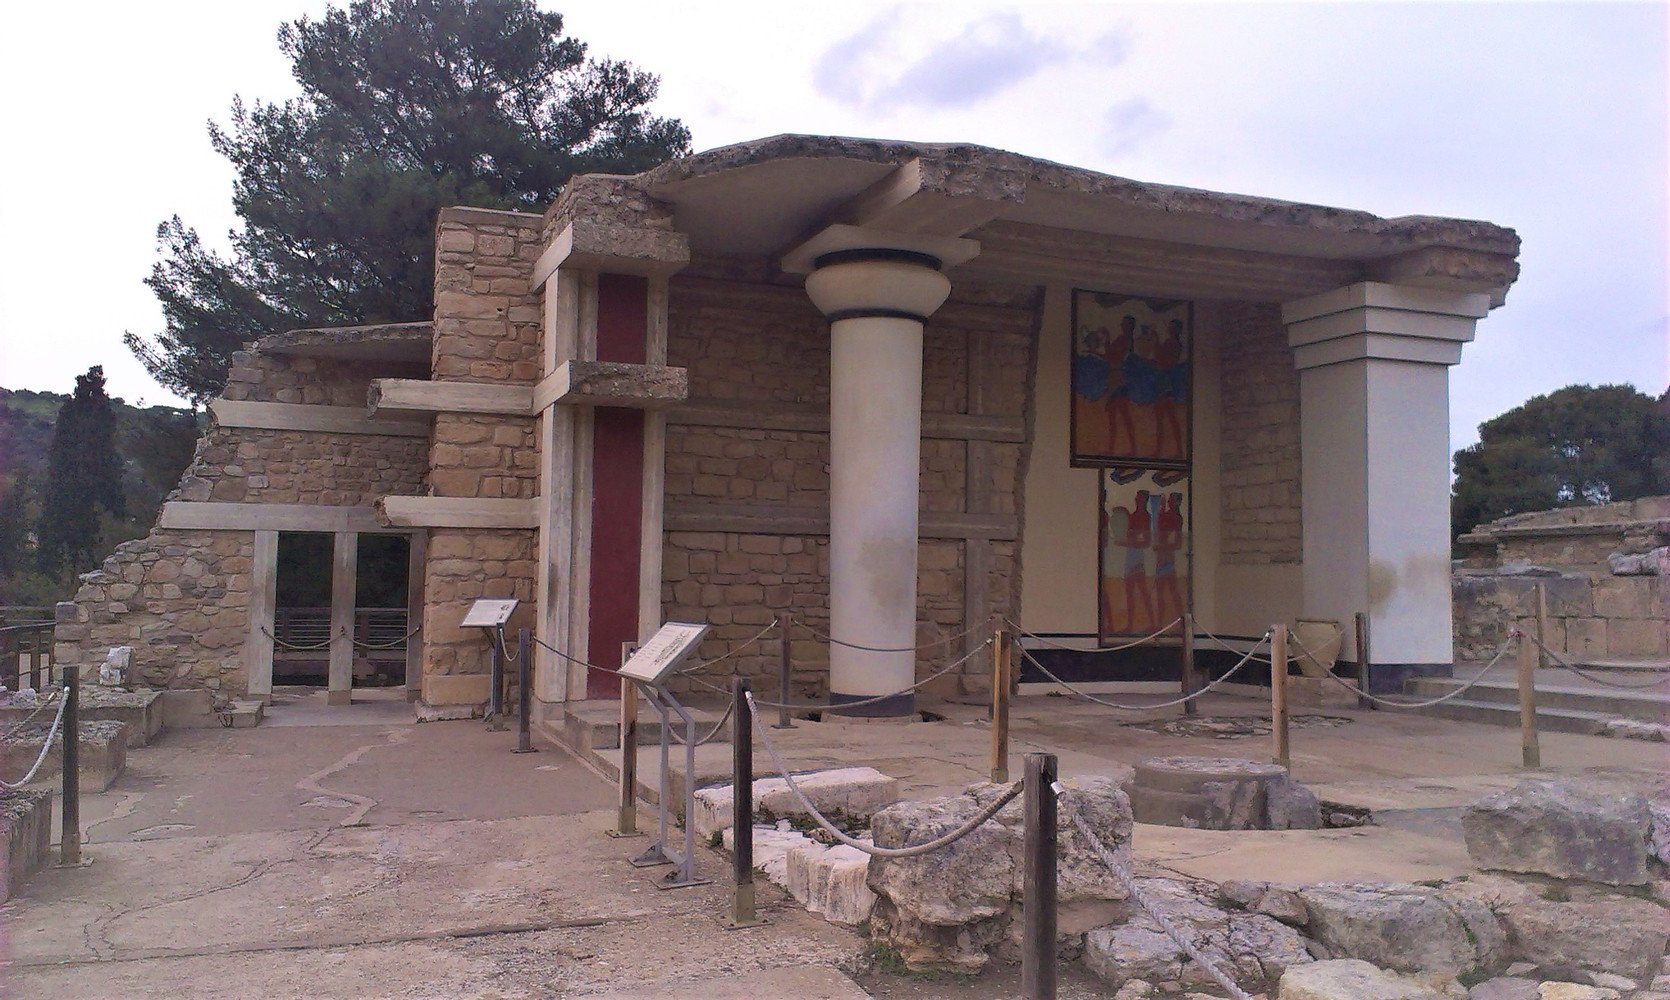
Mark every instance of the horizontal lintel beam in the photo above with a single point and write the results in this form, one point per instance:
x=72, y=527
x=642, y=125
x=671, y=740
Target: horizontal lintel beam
x=402, y=396
x=317, y=419
x=612, y=383
x=458, y=512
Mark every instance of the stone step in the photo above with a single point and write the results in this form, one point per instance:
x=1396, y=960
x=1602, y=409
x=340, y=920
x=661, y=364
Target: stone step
x=1559, y=720
x=595, y=725
x=1637, y=664
x=1653, y=706
x=246, y=713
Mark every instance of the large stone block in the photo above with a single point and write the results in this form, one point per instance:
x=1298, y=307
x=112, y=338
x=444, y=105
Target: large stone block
x=26, y=830
x=1559, y=829
x=1350, y=979
x=847, y=793
x=1405, y=928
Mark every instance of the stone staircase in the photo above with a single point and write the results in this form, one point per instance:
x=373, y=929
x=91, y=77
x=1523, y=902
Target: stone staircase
x=1566, y=702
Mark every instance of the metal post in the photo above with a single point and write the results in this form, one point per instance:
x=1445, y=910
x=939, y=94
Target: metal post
x=1363, y=701
x=785, y=665
x=1542, y=624
x=1278, y=695
x=1530, y=751
x=626, y=807
x=69, y=840
x=495, y=688
x=1038, y=887
x=524, y=693
x=743, y=913
x=1000, y=707
x=1189, y=682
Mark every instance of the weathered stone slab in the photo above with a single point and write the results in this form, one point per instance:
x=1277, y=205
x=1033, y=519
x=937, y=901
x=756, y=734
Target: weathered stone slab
x=1350, y=979
x=772, y=845
x=832, y=881
x=846, y=793
x=1504, y=988
x=1559, y=829
x=26, y=830
x=1575, y=929
x=1405, y=928
x=1220, y=793
x=140, y=710
x=103, y=745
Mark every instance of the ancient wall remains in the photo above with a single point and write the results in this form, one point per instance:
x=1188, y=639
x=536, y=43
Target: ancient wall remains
x=1605, y=571
x=487, y=329
x=181, y=598
x=748, y=482
x=1260, y=433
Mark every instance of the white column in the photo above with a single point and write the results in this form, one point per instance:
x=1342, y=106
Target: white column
x=1373, y=364
x=877, y=299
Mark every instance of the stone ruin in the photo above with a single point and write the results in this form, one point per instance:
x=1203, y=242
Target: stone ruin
x=1571, y=900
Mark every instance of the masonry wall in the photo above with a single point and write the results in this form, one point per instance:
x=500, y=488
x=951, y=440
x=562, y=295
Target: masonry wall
x=487, y=329
x=745, y=540
x=181, y=598
x=1259, y=458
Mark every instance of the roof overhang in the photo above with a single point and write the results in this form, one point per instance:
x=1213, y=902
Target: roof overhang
x=402, y=343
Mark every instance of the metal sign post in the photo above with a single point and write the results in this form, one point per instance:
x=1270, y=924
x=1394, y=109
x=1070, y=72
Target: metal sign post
x=490, y=615
x=650, y=669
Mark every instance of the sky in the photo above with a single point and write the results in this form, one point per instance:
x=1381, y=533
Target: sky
x=1547, y=118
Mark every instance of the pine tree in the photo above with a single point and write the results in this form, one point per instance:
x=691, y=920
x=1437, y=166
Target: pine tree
x=83, y=476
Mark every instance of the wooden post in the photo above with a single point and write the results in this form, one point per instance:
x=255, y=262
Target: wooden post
x=1190, y=685
x=785, y=668
x=69, y=836
x=1278, y=695
x=344, y=565
x=524, y=699
x=417, y=558
x=1530, y=749
x=1000, y=707
x=1039, y=880
x=743, y=911
x=1363, y=701
x=263, y=610
x=1542, y=624
x=626, y=806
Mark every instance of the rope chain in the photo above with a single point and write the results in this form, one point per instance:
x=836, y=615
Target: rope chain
x=1574, y=668
x=924, y=682
x=1123, y=874
x=392, y=643
x=295, y=647
x=46, y=748
x=1026, y=655
x=1224, y=645
x=915, y=850
x=40, y=707
x=896, y=649
x=730, y=708
x=761, y=634
x=1390, y=703
x=1045, y=640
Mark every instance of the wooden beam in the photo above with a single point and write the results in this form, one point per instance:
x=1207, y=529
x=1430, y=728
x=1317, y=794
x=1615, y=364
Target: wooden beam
x=612, y=383
x=263, y=605
x=417, y=561
x=815, y=420
x=403, y=396
x=344, y=585
x=457, y=512
x=186, y=515
x=783, y=519
x=309, y=417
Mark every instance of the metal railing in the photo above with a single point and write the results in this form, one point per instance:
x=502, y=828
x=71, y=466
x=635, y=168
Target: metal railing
x=305, y=633
x=26, y=654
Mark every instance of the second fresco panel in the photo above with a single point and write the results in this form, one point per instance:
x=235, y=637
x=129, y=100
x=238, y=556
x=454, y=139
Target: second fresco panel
x=1131, y=380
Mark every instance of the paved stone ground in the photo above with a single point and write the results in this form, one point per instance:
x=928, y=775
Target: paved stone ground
x=224, y=868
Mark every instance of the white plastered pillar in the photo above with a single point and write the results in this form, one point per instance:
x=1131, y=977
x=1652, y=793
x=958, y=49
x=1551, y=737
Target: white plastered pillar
x=877, y=291
x=1373, y=364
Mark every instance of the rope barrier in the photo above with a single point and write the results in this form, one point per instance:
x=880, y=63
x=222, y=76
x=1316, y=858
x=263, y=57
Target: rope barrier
x=954, y=664
x=589, y=666
x=1123, y=874
x=46, y=748
x=1094, y=652
x=1390, y=703
x=40, y=707
x=1087, y=696
x=761, y=634
x=730, y=708
x=1224, y=645
x=1561, y=661
x=896, y=649
x=912, y=851
x=296, y=647
x=392, y=643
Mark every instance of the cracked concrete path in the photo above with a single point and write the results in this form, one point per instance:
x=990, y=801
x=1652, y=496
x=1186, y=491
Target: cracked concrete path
x=375, y=861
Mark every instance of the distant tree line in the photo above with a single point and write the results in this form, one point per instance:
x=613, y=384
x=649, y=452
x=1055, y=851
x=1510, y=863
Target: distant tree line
x=1578, y=445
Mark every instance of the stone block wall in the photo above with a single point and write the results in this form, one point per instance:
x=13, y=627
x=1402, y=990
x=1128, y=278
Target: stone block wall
x=487, y=329
x=181, y=598
x=1259, y=461
x=761, y=347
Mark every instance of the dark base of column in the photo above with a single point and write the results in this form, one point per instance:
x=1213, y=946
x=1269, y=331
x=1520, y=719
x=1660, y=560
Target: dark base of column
x=897, y=706
x=1390, y=678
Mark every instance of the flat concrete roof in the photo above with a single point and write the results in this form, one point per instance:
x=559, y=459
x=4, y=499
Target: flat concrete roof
x=399, y=342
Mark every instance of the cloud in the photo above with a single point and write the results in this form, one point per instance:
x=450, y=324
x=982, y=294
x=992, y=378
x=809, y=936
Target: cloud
x=1130, y=122
x=869, y=70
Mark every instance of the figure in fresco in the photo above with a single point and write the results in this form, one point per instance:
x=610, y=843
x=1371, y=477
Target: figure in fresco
x=1142, y=380
x=1168, y=541
x=1138, y=539
x=1172, y=393
x=1116, y=353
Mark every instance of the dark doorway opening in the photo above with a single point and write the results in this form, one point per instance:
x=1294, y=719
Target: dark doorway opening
x=302, y=618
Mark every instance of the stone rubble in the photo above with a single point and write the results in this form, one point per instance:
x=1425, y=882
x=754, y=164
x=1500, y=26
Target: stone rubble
x=1559, y=829
x=1405, y=928
x=1350, y=979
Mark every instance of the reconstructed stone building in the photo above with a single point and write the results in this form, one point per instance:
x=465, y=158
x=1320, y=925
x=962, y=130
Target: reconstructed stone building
x=893, y=389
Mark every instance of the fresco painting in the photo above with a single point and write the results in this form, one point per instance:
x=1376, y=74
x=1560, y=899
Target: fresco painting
x=1131, y=380
x=1144, y=550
